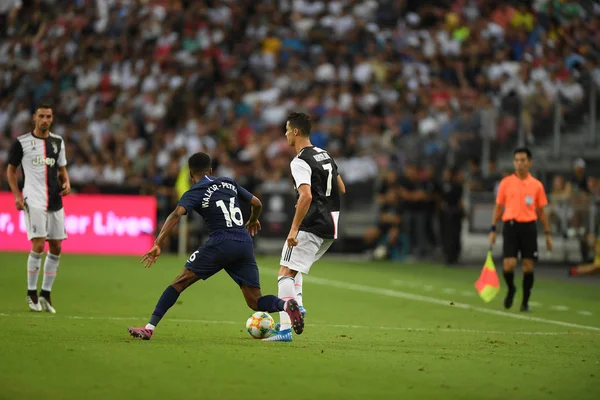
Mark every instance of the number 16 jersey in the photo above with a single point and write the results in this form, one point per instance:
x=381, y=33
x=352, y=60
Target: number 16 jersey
x=315, y=167
x=216, y=199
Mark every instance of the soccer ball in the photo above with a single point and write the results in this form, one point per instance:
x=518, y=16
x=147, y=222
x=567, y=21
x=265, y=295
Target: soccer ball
x=260, y=325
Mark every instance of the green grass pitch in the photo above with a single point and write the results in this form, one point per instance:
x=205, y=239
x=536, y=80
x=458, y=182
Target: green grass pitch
x=374, y=331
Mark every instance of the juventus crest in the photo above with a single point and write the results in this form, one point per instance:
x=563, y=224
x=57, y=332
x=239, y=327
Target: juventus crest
x=55, y=148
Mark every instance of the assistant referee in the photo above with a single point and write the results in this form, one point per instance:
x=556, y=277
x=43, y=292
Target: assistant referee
x=520, y=201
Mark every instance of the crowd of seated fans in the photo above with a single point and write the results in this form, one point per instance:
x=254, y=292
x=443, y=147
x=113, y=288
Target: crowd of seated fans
x=139, y=85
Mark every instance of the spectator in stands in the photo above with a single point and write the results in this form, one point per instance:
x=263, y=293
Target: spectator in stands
x=475, y=180
x=579, y=177
x=451, y=214
x=138, y=80
x=414, y=197
x=561, y=207
x=384, y=238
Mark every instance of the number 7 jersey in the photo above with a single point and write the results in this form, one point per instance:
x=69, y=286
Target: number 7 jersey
x=217, y=200
x=315, y=167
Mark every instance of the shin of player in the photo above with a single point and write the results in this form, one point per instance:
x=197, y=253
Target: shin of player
x=41, y=154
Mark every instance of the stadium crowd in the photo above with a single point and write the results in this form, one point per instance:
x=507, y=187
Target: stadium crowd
x=398, y=88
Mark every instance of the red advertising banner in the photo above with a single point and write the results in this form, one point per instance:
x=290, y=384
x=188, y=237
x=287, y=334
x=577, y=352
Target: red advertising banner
x=95, y=224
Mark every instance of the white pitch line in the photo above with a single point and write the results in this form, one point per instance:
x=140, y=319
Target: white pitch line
x=584, y=313
x=559, y=308
x=449, y=290
x=535, y=304
x=433, y=300
x=383, y=328
x=467, y=294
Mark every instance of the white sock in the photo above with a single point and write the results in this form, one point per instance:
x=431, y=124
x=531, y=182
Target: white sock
x=150, y=326
x=50, y=269
x=298, y=288
x=285, y=285
x=34, y=263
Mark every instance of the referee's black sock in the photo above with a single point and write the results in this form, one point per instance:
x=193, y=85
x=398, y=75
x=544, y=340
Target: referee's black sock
x=509, y=277
x=527, y=285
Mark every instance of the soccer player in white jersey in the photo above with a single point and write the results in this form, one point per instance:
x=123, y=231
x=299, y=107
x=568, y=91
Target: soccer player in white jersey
x=41, y=154
x=315, y=225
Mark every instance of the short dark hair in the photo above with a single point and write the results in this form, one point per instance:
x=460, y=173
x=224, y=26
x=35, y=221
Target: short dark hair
x=523, y=150
x=301, y=122
x=42, y=105
x=199, y=162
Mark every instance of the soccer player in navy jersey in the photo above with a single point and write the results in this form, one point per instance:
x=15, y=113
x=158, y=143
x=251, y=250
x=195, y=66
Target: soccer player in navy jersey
x=229, y=246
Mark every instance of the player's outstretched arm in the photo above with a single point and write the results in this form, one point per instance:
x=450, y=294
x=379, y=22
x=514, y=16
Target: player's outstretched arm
x=172, y=220
x=304, y=200
x=253, y=224
x=341, y=186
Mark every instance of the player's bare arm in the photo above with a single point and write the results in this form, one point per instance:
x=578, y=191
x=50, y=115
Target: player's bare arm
x=304, y=200
x=172, y=220
x=546, y=224
x=63, y=175
x=11, y=176
x=253, y=224
x=341, y=186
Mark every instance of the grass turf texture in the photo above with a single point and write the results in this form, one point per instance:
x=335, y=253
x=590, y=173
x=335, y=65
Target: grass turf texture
x=368, y=337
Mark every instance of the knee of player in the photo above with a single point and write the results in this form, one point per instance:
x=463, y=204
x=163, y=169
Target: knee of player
x=37, y=246
x=527, y=265
x=56, y=248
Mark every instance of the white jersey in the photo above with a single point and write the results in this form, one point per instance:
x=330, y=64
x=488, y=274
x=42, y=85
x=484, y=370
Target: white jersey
x=40, y=159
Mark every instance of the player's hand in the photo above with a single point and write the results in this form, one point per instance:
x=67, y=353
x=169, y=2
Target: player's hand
x=549, y=243
x=492, y=238
x=66, y=189
x=291, y=239
x=253, y=227
x=19, y=202
x=151, y=257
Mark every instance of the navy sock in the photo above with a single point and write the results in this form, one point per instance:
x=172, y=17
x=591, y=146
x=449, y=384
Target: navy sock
x=166, y=301
x=271, y=303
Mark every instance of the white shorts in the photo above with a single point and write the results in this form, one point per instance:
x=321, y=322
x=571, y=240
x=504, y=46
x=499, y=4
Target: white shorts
x=45, y=224
x=309, y=249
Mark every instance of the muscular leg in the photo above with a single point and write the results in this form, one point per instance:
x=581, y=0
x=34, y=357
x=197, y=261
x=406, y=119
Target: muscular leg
x=585, y=269
x=257, y=302
x=286, y=291
x=184, y=280
x=509, y=276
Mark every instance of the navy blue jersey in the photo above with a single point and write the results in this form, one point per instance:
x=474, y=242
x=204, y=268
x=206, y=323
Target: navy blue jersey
x=217, y=200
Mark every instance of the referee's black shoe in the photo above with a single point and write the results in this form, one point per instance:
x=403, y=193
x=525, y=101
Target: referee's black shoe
x=510, y=296
x=525, y=308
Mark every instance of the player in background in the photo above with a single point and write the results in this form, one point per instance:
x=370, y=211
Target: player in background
x=229, y=246
x=41, y=154
x=315, y=225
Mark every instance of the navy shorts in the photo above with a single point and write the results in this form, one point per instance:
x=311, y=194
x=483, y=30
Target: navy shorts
x=236, y=258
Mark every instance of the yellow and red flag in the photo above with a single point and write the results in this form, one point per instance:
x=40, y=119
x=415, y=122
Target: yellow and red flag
x=488, y=284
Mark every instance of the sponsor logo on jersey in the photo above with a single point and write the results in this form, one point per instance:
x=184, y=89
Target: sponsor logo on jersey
x=41, y=160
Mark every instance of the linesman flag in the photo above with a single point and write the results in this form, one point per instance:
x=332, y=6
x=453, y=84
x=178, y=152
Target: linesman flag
x=488, y=284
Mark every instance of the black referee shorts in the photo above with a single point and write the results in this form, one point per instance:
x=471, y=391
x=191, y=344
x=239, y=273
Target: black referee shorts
x=520, y=238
